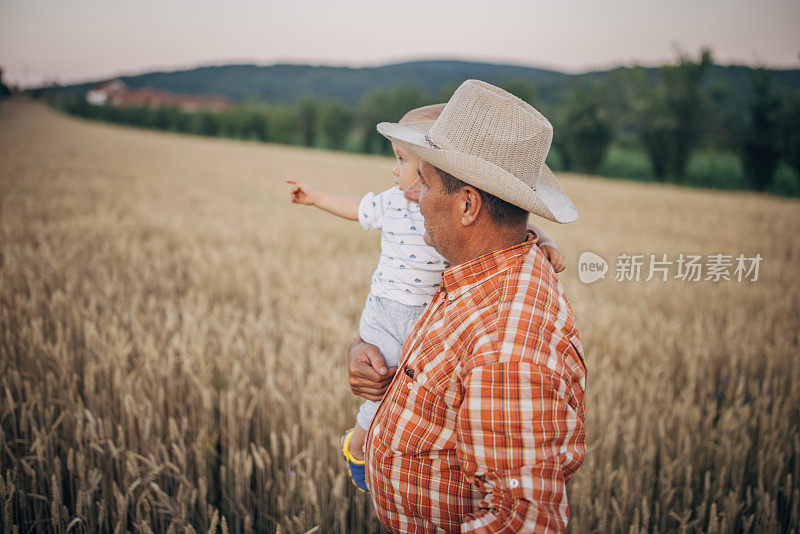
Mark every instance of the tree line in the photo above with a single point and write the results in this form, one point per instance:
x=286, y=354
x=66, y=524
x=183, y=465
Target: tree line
x=668, y=125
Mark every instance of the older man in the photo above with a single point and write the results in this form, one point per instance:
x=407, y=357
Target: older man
x=482, y=424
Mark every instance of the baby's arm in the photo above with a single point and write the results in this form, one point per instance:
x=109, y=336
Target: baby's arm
x=345, y=206
x=548, y=246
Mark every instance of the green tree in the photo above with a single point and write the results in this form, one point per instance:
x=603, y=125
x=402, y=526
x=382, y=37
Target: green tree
x=447, y=91
x=670, y=117
x=246, y=121
x=790, y=129
x=368, y=114
x=160, y=118
x=584, y=131
x=387, y=105
x=232, y=123
x=624, y=95
x=180, y=121
x=723, y=121
x=133, y=115
x=255, y=125
x=520, y=88
x=307, y=110
x=4, y=90
x=281, y=125
x=206, y=123
x=760, y=151
x=335, y=121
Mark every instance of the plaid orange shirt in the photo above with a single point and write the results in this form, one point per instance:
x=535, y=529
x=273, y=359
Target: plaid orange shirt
x=482, y=426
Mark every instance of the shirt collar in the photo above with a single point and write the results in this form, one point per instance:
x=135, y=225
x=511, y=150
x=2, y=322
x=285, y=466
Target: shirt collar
x=459, y=279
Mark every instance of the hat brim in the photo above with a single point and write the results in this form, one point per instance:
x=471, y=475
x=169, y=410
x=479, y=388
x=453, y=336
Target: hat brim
x=548, y=199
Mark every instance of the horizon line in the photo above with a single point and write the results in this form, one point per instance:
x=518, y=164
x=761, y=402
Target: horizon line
x=233, y=62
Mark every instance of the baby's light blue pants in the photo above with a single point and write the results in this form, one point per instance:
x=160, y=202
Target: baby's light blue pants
x=385, y=323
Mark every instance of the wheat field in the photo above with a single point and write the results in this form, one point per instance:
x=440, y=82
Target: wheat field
x=173, y=334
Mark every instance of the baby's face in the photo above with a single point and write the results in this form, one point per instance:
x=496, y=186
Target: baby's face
x=405, y=168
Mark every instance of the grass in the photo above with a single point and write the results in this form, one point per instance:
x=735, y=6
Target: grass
x=172, y=337
x=626, y=163
x=706, y=169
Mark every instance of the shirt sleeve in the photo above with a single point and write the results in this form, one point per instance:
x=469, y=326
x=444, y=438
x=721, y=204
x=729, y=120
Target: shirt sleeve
x=517, y=432
x=371, y=210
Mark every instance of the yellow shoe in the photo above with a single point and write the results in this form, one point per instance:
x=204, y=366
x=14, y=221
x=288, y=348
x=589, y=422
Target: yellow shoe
x=358, y=471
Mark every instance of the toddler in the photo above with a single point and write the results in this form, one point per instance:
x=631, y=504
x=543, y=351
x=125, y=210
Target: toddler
x=408, y=274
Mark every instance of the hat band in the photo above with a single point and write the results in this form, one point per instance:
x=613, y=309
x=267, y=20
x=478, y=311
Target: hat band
x=431, y=143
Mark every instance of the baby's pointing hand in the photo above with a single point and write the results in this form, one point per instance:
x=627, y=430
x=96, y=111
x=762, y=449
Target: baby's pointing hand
x=301, y=193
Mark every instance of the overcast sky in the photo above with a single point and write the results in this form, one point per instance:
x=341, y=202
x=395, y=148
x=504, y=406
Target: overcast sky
x=78, y=40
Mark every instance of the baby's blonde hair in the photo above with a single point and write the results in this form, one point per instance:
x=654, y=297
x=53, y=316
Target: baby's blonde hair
x=425, y=113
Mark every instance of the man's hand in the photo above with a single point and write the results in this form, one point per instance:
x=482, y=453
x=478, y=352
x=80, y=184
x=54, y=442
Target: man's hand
x=302, y=193
x=555, y=256
x=369, y=375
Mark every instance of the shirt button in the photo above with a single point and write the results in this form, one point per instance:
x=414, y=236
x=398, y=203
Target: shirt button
x=514, y=483
x=410, y=385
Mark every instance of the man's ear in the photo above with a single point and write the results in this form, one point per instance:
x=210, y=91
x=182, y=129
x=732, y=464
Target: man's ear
x=471, y=204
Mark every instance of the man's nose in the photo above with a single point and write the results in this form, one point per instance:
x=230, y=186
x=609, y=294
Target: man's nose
x=412, y=192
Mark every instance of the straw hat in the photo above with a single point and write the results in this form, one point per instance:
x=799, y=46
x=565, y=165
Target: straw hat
x=494, y=141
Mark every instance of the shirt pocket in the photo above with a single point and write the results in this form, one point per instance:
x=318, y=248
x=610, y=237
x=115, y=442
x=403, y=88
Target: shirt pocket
x=434, y=370
x=434, y=381
x=428, y=417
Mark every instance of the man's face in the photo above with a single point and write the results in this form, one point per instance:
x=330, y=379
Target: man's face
x=438, y=209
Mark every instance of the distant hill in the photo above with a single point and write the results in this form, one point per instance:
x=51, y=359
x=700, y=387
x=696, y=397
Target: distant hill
x=286, y=83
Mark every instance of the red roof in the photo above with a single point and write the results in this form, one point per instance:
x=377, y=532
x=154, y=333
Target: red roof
x=118, y=94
